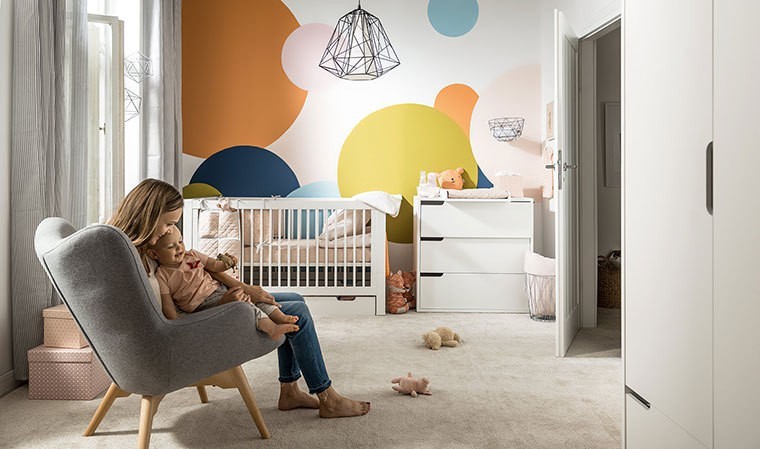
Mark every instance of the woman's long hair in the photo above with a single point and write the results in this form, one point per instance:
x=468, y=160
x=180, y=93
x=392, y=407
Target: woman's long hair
x=139, y=212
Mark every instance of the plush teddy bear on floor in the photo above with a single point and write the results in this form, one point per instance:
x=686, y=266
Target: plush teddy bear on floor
x=411, y=386
x=441, y=336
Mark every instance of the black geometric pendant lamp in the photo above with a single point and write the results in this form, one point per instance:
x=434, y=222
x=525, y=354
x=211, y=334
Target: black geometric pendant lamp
x=359, y=49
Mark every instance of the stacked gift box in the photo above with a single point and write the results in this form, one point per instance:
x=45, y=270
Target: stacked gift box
x=64, y=367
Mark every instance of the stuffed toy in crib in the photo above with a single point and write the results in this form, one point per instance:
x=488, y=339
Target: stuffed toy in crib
x=411, y=386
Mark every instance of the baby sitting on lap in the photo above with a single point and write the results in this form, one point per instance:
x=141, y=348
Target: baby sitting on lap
x=185, y=284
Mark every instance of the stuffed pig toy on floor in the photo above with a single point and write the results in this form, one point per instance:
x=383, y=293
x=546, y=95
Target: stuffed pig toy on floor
x=411, y=386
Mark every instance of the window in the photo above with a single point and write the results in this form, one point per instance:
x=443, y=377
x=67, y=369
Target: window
x=105, y=111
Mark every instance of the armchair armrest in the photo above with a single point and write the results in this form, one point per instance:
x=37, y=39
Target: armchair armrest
x=204, y=343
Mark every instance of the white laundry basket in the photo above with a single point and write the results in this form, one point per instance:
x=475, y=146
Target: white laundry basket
x=540, y=274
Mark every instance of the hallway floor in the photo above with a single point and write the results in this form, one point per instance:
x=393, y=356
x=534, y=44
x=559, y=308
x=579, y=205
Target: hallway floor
x=601, y=341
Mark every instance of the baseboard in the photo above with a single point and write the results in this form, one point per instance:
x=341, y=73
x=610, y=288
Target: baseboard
x=8, y=383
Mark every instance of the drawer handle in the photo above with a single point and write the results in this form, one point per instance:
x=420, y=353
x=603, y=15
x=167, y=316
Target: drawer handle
x=432, y=275
x=431, y=239
x=432, y=202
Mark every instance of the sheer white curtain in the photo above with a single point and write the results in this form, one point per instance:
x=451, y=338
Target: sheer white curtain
x=161, y=116
x=48, y=149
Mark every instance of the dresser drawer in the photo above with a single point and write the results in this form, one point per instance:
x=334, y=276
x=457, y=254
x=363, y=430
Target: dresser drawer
x=493, y=218
x=468, y=255
x=455, y=292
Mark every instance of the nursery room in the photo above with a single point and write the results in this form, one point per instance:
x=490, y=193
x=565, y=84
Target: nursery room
x=428, y=224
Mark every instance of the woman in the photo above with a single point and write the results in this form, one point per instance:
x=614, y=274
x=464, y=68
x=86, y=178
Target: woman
x=150, y=211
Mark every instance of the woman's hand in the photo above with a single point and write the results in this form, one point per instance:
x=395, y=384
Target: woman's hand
x=235, y=294
x=258, y=294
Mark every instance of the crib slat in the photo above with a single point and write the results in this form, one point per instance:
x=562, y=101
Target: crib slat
x=353, y=254
x=364, y=246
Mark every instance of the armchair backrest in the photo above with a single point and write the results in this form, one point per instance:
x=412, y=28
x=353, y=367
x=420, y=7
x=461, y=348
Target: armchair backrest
x=99, y=276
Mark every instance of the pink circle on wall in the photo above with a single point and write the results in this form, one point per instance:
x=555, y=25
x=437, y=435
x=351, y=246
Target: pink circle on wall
x=302, y=53
x=515, y=93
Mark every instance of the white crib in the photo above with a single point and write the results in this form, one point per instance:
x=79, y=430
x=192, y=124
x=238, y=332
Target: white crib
x=328, y=250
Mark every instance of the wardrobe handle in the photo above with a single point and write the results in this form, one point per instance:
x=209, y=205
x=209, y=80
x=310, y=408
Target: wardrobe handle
x=431, y=239
x=709, y=167
x=431, y=202
x=637, y=397
x=433, y=275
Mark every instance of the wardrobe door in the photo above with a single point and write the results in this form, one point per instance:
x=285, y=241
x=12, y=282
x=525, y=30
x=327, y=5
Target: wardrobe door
x=737, y=225
x=667, y=230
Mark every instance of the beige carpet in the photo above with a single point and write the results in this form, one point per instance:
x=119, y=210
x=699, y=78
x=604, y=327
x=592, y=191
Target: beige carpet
x=503, y=388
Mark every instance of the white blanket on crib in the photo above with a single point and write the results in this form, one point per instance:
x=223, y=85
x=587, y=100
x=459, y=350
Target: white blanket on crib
x=382, y=201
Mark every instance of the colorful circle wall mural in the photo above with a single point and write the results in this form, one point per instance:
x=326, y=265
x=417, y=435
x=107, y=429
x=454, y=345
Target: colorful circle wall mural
x=483, y=181
x=234, y=88
x=388, y=149
x=457, y=101
x=515, y=93
x=319, y=189
x=453, y=18
x=302, y=53
x=199, y=190
x=247, y=171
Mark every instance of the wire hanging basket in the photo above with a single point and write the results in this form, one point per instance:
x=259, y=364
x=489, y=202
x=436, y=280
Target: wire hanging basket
x=506, y=129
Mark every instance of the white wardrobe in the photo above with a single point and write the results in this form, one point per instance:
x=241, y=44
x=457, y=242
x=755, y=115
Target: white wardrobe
x=691, y=224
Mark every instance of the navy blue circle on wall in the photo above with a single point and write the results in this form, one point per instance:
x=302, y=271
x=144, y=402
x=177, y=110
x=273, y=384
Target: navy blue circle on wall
x=247, y=171
x=483, y=182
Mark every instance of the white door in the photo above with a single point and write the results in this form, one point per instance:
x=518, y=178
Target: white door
x=667, y=99
x=565, y=167
x=737, y=222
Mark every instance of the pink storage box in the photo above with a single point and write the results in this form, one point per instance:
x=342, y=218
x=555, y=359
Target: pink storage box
x=60, y=373
x=61, y=331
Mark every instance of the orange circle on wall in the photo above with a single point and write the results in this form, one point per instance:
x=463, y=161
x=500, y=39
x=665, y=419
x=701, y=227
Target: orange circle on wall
x=234, y=89
x=457, y=101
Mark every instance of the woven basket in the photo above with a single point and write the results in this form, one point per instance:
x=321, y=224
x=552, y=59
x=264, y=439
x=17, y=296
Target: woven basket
x=608, y=284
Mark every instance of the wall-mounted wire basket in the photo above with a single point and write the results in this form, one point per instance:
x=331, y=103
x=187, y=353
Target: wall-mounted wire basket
x=506, y=129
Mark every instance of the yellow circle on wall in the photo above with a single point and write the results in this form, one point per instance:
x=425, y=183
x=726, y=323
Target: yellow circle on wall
x=199, y=190
x=388, y=149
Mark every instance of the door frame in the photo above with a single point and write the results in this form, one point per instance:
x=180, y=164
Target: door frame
x=588, y=122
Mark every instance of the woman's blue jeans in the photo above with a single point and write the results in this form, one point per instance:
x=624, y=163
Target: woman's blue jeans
x=301, y=352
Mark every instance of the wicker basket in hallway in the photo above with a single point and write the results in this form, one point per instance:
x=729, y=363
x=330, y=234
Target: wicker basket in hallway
x=608, y=282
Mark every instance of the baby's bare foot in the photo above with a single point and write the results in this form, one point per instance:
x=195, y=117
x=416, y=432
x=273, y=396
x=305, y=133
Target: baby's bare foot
x=333, y=405
x=291, y=397
x=285, y=319
x=281, y=329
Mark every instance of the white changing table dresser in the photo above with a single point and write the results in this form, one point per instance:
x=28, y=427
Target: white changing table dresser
x=469, y=254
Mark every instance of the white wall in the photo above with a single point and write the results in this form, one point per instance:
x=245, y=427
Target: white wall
x=584, y=16
x=607, y=90
x=6, y=348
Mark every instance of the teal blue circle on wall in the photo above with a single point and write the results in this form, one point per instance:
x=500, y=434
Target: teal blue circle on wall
x=453, y=18
x=319, y=189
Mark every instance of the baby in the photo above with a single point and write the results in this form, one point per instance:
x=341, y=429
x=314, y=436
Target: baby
x=185, y=284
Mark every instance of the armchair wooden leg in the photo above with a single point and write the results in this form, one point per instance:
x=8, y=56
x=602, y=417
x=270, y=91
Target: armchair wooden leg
x=202, y=393
x=110, y=396
x=241, y=382
x=148, y=406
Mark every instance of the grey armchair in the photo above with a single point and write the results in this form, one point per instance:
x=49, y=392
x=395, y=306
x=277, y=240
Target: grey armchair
x=99, y=276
